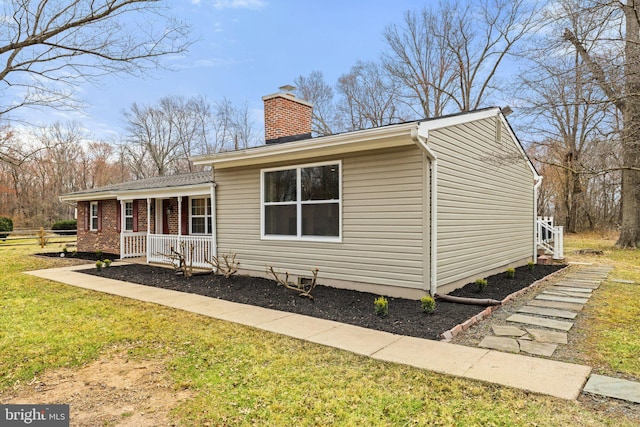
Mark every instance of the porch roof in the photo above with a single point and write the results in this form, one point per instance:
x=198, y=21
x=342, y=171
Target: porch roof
x=159, y=186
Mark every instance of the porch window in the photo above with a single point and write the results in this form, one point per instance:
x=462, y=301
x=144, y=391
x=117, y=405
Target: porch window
x=128, y=216
x=93, y=216
x=302, y=202
x=200, y=215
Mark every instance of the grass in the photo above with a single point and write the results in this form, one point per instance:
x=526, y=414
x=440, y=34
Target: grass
x=243, y=376
x=612, y=316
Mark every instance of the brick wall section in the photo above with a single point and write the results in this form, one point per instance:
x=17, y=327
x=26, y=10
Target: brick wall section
x=285, y=115
x=107, y=239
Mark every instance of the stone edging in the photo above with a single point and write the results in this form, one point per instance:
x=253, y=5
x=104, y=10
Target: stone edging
x=461, y=327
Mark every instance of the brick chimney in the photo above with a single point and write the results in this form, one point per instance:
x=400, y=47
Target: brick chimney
x=286, y=118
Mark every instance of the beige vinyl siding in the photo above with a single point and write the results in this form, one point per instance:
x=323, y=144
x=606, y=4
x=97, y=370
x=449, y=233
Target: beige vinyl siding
x=382, y=199
x=485, y=200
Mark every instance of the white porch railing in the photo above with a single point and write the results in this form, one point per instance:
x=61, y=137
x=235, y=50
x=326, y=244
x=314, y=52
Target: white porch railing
x=160, y=244
x=133, y=245
x=550, y=237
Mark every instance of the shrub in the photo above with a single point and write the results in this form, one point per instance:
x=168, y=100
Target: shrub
x=481, y=284
x=107, y=263
x=65, y=227
x=428, y=304
x=381, y=306
x=6, y=226
x=511, y=273
x=531, y=265
x=99, y=265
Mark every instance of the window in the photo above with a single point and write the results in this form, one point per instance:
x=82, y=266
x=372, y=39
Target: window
x=201, y=215
x=302, y=202
x=93, y=216
x=128, y=216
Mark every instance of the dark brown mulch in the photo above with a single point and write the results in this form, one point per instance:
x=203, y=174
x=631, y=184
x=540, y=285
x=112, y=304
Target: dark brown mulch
x=405, y=316
x=89, y=256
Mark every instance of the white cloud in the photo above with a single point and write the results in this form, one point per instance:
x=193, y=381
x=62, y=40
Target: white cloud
x=239, y=4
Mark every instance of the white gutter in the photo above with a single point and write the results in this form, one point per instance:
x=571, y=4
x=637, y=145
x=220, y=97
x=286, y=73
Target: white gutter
x=538, y=179
x=420, y=135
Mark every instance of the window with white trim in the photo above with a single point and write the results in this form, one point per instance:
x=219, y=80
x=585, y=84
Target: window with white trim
x=128, y=216
x=200, y=209
x=93, y=216
x=302, y=202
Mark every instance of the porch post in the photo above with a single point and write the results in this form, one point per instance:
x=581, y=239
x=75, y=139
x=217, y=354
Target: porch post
x=179, y=219
x=146, y=244
x=121, y=228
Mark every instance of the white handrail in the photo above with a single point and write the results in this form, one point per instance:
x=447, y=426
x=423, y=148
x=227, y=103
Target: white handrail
x=549, y=237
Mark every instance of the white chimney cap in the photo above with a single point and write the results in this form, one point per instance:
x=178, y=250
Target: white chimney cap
x=287, y=88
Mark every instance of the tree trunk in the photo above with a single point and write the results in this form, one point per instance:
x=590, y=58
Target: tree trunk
x=630, y=227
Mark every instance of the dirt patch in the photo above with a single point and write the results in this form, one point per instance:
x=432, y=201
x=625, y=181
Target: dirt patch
x=113, y=390
x=405, y=316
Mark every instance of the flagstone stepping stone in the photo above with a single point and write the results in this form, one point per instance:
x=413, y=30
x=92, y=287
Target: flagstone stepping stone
x=560, y=298
x=537, y=348
x=570, y=289
x=628, y=282
x=566, y=294
x=552, y=312
x=613, y=387
x=579, y=285
x=540, y=321
x=557, y=304
x=507, y=331
x=500, y=343
x=543, y=335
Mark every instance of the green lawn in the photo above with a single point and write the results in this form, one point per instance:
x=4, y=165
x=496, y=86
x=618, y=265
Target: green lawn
x=612, y=317
x=243, y=376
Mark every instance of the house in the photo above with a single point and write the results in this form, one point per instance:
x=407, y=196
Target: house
x=400, y=210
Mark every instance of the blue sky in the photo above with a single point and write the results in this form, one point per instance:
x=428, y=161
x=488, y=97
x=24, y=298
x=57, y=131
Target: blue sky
x=246, y=49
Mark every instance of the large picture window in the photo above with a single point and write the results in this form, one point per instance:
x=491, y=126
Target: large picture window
x=302, y=202
x=200, y=215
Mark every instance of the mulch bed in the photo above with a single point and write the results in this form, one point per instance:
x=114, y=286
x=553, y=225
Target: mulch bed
x=405, y=316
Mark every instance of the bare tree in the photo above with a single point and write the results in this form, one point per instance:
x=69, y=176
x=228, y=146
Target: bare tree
x=48, y=47
x=368, y=97
x=623, y=90
x=316, y=90
x=569, y=117
x=450, y=55
x=233, y=128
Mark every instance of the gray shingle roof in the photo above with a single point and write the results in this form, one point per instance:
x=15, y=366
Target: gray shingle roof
x=150, y=183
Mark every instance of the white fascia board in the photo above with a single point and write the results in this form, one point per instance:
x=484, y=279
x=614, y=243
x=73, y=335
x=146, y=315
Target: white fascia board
x=87, y=197
x=370, y=139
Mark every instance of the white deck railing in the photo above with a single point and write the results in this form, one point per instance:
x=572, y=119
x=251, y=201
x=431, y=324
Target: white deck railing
x=133, y=245
x=550, y=237
x=159, y=245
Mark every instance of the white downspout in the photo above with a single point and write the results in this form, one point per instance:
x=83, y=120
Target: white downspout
x=421, y=140
x=538, y=179
x=122, y=222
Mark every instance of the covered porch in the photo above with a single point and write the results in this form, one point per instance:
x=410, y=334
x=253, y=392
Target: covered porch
x=173, y=221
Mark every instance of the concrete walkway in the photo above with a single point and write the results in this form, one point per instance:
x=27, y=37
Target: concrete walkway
x=554, y=378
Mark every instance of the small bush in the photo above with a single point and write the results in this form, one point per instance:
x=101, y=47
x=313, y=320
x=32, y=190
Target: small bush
x=6, y=226
x=428, y=304
x=381, y=306
x=481, y=284
x=511, y=273
x=99, y=265
x=531, y=265
x=65, y=227
x=107, y=263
